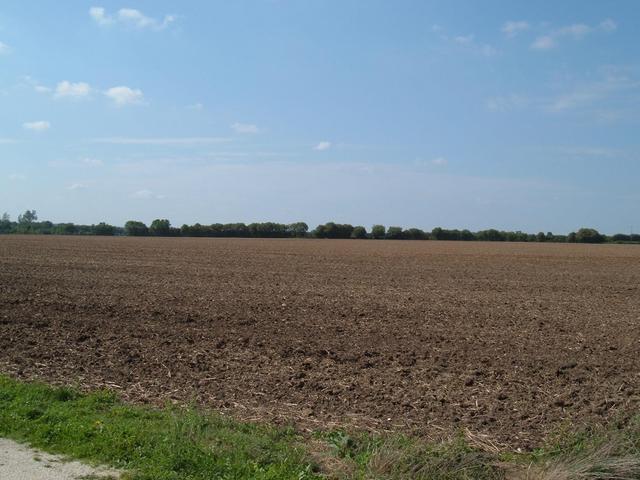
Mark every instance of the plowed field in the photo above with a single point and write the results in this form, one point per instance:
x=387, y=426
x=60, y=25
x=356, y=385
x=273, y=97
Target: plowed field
x=504, y=339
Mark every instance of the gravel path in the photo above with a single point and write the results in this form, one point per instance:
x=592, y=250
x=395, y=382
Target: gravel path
x=19, y=462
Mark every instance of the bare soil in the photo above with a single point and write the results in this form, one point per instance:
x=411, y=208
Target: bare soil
x=507, y=340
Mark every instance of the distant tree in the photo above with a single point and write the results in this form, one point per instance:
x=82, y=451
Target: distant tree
x=28, y=217
x=621, y=237
x=27, y=222
x=589, y=235
x=359, y=232
x=318, y=232
x=414, y=234
x=541, y=237
x=394, y=233
x=572, y=237
x=160, y=227
x=65, y=229
x=297, y=229
x=5, y=223
x=466, y=235
x=104, y=229
x=378, y=231
x=135, y=228
x=491, y=235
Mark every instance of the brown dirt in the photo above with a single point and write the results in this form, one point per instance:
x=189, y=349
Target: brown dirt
x=506, y=340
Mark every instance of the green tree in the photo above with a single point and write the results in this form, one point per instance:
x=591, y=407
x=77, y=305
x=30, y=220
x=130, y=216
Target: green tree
x=5, y=223
x=394, y=233
x=378, y=231
x=27, y=222
x=589, y=235
x=160, y=227
x=65, y=229
x=104, y=229
x=414, y=234
x=359, y=232
x=298, y=229
x=28, y=217
x=134, y=228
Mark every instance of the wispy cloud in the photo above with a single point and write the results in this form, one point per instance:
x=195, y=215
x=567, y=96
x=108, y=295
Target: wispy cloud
x=92, y=162
x=6, y=141
x=615, y=82
x=574, y=31
x=507, y=103
x=4, y=49
x=440, y=161
x=322, y=146
x=513, y=28
x=123, y=95
x=70, y=90
x=17, y=176
x=146, y=195
x=465, y=42
x=37, y=126
x=185, y=141
x=196, y=106
x=245, y=128
x=77, y=186
x=129, y=17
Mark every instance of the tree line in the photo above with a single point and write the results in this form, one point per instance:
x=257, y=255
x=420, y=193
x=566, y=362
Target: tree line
x=27, y=223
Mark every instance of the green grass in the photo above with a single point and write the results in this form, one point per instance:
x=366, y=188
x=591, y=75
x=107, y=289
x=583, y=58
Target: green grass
x=158, y=444
x=188, y=444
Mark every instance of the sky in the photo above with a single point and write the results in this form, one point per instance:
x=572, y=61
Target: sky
x=515, y=115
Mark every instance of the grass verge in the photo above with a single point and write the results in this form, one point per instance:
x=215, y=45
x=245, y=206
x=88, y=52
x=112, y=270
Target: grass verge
x=158, y=444
x=185, y=443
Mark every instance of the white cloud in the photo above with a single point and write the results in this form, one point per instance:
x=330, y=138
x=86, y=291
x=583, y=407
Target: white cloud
x=17, y=176
x=130, y=17
x=196, y=106
x=576, y=31
x=77, y=186
x=72, y=90
x=546, y=42
x=512, y=28
x=42, y=89
x=507, y=103
x=37, y=126
x=245, y=128
x=615, y=87
x=186, y=141
x=608, y=25
x=463, y=39
x=4, y=49
x=100, y=16
x=92, y=162
x=124, y=95
x=487, y=50
x=440, y=161
x=322, y=146
x=146, y=195
x=466, y=42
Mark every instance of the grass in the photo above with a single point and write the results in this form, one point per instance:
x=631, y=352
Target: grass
x=158, y=444
x=187, y=444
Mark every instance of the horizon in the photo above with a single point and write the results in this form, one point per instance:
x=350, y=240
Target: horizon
x=513, y=116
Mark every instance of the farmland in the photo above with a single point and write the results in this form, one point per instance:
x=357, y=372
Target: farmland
x=508, y=340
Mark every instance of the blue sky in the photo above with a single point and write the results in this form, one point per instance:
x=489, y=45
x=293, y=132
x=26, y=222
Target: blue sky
x=507, y=114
